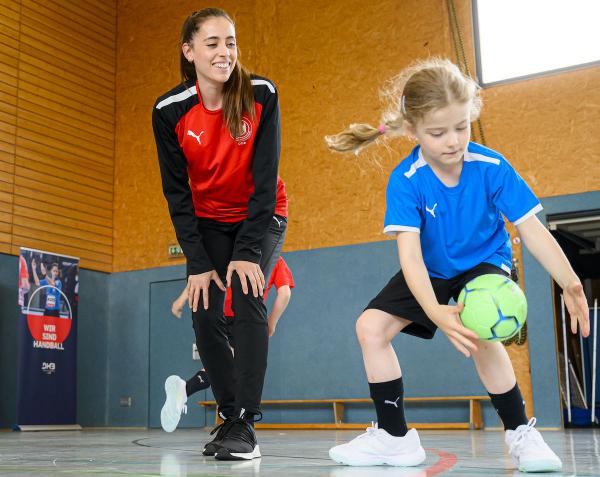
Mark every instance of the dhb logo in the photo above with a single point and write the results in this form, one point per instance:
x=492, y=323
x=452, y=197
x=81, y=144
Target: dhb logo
x=48, y=368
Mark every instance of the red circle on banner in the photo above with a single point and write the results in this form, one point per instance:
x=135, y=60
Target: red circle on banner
x=48, y=328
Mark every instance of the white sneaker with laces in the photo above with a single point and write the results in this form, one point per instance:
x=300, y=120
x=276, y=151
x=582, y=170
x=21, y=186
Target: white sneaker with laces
x=174, y=404
x=529, y=451
x=377, y=447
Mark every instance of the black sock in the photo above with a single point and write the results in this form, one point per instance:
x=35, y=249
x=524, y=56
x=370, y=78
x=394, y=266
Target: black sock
x=196, y=383
x=389, y=404
x=510, y=407
x=251, y=417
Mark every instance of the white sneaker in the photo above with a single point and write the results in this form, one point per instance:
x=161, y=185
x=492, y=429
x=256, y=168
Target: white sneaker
x=377, y=447
x=529, y=451
x=174, y=404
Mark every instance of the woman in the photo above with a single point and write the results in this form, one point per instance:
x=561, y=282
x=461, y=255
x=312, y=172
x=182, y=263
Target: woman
x=217, y=136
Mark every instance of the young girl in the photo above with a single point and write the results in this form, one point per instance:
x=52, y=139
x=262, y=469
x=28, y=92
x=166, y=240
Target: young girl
x=444, y=205
x=217, y=136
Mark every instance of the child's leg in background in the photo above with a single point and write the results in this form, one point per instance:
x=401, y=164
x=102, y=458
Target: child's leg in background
x=197, y=382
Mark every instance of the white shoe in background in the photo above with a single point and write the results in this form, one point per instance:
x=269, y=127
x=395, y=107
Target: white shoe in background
x=174, y=406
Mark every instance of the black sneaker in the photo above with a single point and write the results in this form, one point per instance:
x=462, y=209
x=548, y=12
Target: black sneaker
x=239, y=443
x=211, y=448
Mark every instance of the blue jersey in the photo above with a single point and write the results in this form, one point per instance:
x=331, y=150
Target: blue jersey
x=52, y=294
x=460, y=226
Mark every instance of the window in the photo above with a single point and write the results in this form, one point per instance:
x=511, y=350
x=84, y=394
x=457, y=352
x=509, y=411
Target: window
x=521, y=38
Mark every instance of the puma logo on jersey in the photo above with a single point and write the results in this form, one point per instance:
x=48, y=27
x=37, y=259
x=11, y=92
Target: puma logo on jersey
x=195, y=136
x=393, y=403
x=432, y=210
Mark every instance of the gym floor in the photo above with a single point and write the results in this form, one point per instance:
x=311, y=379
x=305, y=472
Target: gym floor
x=290, y=453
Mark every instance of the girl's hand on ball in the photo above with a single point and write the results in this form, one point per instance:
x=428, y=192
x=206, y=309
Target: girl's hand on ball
x=447, y=318
x=577, y=306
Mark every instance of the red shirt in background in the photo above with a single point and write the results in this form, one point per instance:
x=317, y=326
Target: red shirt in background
x=281, y=201
x=280, y=276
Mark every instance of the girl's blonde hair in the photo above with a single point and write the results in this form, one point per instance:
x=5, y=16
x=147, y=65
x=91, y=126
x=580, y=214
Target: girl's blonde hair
x=422, y=87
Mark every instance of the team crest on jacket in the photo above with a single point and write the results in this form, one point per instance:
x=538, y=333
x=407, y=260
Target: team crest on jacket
x=246, y=132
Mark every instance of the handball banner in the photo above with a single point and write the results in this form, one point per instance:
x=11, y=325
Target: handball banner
x=48, y=295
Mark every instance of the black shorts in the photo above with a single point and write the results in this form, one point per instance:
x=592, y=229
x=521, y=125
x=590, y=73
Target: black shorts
x=397, y=299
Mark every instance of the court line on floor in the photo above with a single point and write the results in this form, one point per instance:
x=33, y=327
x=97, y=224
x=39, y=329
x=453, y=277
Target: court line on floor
x=138, y=443
x=445, y=463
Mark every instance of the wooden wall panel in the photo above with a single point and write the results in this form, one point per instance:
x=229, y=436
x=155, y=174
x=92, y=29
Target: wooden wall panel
x=9, y=58
x=57, y=127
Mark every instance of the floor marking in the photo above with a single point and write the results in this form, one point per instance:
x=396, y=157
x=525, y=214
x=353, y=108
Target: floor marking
x=138, y=443
x=446, y=462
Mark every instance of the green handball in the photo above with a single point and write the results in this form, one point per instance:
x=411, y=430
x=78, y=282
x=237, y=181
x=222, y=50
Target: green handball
x=495, y=307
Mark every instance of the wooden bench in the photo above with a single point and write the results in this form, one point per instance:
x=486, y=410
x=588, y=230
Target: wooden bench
x=475, y=417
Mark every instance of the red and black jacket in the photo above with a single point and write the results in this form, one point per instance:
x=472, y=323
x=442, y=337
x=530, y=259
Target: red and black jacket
x=208, y=173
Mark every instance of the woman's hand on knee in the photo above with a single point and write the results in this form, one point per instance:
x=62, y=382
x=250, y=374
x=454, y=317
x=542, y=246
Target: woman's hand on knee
x=198, y=285
x=249, y=271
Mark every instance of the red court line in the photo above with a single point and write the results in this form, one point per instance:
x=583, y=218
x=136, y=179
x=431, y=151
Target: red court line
x=445, y=462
